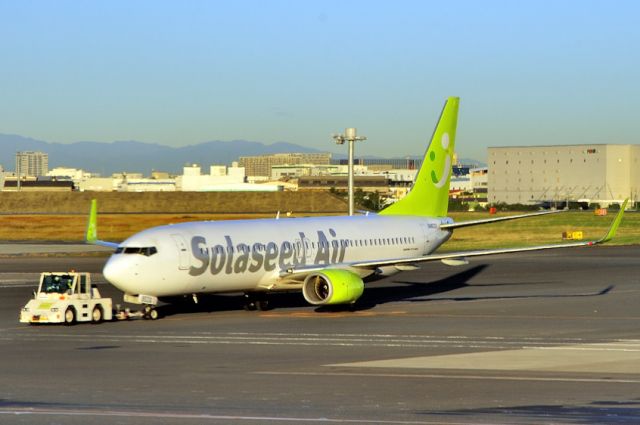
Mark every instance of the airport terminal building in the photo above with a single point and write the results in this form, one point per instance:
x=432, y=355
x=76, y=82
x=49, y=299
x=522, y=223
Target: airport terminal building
x=599, y=173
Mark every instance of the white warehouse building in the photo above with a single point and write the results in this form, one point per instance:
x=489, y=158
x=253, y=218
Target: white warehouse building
x=192, y=179
x=598, y=173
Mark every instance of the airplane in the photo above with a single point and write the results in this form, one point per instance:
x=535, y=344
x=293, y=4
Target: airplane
x=328, y=258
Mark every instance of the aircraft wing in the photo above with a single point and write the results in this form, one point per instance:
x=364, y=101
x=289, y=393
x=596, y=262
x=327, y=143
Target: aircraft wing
x=496, y=219
x=461, y=255
x=465, y=254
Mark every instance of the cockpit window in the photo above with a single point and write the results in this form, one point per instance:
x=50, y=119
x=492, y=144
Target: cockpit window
x=146, y=251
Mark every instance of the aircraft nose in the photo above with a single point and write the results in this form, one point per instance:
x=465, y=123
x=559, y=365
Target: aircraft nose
x=117, y=273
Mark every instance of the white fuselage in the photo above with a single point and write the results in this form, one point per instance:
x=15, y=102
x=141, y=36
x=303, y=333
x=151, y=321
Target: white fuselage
x=249, y=255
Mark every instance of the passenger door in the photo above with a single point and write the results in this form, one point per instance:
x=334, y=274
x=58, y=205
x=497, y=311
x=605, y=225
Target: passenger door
x=183, y=252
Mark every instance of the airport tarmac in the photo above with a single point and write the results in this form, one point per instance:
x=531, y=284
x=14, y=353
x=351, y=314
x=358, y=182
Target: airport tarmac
x=50, y=248
x=548, y=337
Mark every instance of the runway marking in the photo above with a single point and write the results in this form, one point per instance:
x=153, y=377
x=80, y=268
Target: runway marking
x=18, y=285
x=613, y=357
x=316, y=339
x=462, y=377
x=210, y=417
x=333, y=315
x=406, y=314
x=31, y=280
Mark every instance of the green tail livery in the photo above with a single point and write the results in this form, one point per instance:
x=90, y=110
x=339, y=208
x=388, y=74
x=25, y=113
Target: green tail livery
x=429, y=196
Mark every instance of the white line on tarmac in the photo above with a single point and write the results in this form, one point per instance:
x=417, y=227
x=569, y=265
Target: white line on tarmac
x=461, y=377
x=209, y=417
x=404, y=341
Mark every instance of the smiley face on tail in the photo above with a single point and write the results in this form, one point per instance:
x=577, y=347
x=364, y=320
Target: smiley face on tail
x=444, y=142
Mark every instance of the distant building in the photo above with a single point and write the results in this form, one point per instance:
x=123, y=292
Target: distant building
x=99, y=184
x=599, y=173
x=77, y=176
x=126, y=174
x=382, y=164
x=32, y=164
x=220, y=177
x=480, y=183
x=159, y=175
x=128, y=184
x=261, y=165
x=33, y=185
x=279, y=172
x=366, y=183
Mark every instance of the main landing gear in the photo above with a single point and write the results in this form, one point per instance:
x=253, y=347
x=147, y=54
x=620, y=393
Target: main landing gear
x=255, y=301
x=150, y=313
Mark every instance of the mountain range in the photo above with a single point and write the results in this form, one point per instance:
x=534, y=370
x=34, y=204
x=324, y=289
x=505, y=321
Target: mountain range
x=133, y=156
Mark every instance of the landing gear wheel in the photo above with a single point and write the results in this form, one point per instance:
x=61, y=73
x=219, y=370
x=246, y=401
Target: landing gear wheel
x=69, y=316
x=262, y=305
x=150, y=313
x=96, y=314
x=153, y=314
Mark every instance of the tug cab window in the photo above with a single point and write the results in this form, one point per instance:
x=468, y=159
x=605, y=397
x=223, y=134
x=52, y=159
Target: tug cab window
x=58, y=284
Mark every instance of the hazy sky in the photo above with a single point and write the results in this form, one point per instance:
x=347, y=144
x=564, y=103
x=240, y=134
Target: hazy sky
x=184, y=72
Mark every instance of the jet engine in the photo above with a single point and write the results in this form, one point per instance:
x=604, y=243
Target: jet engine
x=333, y=286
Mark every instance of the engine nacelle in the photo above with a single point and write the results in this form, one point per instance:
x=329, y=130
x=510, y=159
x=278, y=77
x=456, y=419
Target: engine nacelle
x=333, y=286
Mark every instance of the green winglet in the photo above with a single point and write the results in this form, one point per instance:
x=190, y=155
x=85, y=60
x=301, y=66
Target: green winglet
x=614, y=226
x=92, y=224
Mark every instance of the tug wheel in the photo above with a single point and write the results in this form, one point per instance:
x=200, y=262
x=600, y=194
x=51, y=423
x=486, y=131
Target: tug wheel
x=96, y=314
x=69, y=316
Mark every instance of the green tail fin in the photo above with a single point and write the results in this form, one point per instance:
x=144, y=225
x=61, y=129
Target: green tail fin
x=429, y=195
x=92, y=227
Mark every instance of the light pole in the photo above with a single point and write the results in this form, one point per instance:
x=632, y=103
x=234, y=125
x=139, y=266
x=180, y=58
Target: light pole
x=18, y=170
x=351, y=137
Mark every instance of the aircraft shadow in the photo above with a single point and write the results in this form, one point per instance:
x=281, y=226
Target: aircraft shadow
x=597, y=412
x=374, y=294
x=409, y=291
